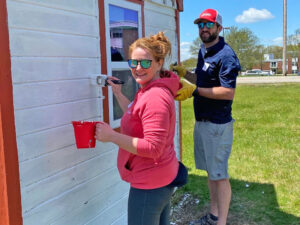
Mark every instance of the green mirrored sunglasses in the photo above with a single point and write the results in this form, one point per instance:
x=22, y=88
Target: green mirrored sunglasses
x=144, y=63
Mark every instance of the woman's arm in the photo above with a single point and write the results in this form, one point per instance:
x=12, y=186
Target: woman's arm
x=105, y=133
x=155, y=120
x=122, y=99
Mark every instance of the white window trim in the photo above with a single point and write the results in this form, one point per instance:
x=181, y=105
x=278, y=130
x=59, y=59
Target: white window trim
x=117, y=65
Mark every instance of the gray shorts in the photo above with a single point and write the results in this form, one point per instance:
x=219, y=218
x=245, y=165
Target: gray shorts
x=212, y=147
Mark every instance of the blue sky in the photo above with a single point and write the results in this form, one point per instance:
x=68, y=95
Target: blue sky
x=263, y=17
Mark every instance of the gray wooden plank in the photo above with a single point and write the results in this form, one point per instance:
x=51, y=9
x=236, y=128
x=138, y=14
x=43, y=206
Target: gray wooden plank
x=52, y=186
x=65, y=203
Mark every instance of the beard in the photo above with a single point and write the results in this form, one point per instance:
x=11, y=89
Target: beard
x=210, y=38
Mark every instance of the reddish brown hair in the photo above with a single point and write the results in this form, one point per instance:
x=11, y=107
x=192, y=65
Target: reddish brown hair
x=158, y=45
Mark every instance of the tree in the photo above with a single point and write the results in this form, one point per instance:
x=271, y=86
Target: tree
x=294, y=39
x=275, y=50
x=293, y=42
x=195, y=46
x=245, y=44
x=259, y=52
x=190, y=63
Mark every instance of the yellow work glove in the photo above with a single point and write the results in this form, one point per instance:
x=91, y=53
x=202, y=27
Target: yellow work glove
x=186, y=91
x=180, y=70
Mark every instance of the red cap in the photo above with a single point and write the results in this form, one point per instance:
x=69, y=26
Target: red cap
x=210, y=15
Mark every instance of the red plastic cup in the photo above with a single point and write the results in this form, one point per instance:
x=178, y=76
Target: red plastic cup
x=85, y=134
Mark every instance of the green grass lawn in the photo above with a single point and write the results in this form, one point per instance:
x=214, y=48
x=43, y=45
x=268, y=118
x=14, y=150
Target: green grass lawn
x=264, y=165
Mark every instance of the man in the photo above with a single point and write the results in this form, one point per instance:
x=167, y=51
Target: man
x=215, y=78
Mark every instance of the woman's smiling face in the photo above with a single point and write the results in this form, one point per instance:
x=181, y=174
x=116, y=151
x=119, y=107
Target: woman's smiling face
x=141, y=75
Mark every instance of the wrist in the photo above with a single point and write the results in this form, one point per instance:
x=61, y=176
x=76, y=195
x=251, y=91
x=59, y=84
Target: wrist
x=114, y=137
x=196, y=92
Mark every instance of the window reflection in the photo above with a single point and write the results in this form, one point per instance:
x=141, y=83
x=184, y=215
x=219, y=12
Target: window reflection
x=123, y=31
x=128, y=89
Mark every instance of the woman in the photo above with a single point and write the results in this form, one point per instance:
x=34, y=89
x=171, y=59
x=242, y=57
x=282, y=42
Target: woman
x=146, y=158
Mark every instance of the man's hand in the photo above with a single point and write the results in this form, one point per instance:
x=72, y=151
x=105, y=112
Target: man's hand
x=186, y=91
x=180, y=70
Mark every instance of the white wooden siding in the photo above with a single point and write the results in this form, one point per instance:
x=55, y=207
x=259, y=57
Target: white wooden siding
x=32, y=69
x=87, y=7
x=62, y=181
x=169, y=3
x=79, y=196
x=161, y=17
x=54, y=46
x=47, y=44
x=59, y=21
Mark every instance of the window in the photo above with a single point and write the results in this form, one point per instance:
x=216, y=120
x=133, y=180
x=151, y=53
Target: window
x=123, y=27
x=123, y=24
x=129, y=90
x=273, y=64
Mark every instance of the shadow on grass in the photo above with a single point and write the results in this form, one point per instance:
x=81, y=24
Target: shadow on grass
x=252, y=203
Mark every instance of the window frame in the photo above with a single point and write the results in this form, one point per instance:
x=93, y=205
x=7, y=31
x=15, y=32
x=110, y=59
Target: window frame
x=118, y=65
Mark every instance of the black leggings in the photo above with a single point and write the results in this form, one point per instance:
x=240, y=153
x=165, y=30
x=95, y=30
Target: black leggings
x=149, y=207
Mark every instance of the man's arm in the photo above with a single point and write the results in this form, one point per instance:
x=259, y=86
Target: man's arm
x=220, y=93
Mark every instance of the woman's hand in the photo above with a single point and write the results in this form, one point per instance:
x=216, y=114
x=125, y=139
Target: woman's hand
x=104, y=132
x=116, y=88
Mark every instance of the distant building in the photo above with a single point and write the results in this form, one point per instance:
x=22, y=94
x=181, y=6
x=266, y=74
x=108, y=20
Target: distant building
x=275, y=65
x=268, y=57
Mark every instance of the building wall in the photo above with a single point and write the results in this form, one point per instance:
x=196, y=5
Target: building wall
x=289, y=70
x=55, y=47
x=266, y=66
x=159, y=17
x=279, y=66
x=288, y=66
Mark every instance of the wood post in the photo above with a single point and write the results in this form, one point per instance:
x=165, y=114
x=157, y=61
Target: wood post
x=10, y=194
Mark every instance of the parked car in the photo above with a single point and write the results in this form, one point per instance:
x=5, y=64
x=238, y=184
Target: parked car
x=266, y=72
x=259, y=72
x=253, y=72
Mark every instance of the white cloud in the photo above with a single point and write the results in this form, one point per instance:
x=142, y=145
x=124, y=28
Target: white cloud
x=253, y=15
x=278, y=41
x=185, y=50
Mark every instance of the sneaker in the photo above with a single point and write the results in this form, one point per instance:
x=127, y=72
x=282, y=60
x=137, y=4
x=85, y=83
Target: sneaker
x=205, y=220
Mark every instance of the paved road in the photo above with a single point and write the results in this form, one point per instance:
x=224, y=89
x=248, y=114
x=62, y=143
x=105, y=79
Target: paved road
x=267, y=79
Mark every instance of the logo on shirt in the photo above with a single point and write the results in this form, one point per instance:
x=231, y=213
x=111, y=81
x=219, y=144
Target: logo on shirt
x=205, y=66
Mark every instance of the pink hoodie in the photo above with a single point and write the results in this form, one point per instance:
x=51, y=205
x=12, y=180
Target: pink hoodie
x=151, y=118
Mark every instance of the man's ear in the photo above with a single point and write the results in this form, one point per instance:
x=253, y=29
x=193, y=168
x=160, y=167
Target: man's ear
x=220, y=28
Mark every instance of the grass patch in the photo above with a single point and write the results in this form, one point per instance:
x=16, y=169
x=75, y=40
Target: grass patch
x=265, y=155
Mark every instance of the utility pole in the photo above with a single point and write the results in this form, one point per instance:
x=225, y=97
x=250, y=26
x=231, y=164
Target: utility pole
x=225, y=28
x=284, y=72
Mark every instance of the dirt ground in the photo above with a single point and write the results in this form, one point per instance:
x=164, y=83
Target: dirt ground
x=187, y=209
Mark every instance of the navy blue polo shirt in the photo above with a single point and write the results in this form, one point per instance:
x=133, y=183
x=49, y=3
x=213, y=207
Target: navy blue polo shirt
x=217, y=66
